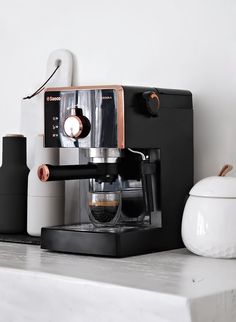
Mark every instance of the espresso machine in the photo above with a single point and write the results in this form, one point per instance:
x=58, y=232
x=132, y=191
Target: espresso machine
x=136, y=169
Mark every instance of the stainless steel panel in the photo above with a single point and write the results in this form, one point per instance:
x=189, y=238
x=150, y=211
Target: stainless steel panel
x=100, y=107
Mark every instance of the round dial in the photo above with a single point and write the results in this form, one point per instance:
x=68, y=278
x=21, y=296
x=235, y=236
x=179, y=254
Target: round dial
x=73, y=126
x=152, y=103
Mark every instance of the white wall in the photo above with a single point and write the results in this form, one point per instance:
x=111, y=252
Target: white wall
x=189, y=44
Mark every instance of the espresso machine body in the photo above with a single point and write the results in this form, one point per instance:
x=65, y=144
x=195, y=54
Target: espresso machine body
x=137, y=138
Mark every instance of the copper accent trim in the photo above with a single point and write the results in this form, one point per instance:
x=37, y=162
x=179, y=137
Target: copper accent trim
x=58, y=89
x=154, y=95
x=120, y=119
x=120, y=106
x=43, y=173
x=81, y=126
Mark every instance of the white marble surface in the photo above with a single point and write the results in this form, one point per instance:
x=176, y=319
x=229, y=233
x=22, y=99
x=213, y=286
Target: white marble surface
x=37, y=285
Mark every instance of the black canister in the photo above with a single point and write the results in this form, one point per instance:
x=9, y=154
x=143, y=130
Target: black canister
x=13, y=185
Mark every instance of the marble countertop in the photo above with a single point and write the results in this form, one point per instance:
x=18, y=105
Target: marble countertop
x=37, y=285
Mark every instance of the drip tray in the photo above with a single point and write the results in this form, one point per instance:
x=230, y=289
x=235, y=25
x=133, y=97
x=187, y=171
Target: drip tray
x=120, y=241
x=21, y=239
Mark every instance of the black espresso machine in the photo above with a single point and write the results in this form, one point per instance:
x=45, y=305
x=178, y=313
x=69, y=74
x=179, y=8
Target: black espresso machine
x=136, y=147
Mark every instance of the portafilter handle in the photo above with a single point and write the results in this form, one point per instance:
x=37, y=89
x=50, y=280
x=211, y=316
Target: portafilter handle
x=102, y=172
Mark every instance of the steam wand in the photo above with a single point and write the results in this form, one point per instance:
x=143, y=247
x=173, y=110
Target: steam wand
x=149, y=184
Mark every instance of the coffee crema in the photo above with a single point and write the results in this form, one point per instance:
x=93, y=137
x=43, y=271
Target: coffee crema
x=104, y=211
x=104, y=203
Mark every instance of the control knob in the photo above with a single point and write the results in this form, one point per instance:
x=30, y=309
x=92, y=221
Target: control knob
x=152, y=103
x=77, y=125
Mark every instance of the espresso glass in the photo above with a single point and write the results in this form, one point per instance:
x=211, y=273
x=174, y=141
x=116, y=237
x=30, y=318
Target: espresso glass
x=104, y=208
x=132, y=210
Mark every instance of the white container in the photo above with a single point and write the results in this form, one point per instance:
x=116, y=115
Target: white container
x=45, y=199
x=32, y=110
x=209, y=219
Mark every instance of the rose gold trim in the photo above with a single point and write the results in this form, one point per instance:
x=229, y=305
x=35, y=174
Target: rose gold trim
x=154, y=95
x=58, y=89
x=43, y=173
x=120, y=106
x=81, y=126
x=120, y=119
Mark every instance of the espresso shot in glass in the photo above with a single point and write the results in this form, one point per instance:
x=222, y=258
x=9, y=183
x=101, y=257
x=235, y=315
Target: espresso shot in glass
x=104, y=208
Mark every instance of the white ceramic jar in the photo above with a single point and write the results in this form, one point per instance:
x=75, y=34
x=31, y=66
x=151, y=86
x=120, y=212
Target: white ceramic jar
x=209, y=218
x=45, y=199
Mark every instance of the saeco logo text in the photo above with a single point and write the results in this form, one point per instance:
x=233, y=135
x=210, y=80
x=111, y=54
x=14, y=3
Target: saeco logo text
x=53, y=98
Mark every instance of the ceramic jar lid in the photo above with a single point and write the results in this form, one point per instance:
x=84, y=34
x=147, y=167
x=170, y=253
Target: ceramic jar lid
x=215, y=187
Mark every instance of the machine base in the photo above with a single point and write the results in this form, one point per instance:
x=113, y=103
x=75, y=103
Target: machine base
x=112, y=242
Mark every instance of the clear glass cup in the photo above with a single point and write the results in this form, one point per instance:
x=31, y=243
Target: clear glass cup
x=104, y=208
x=132, y=210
